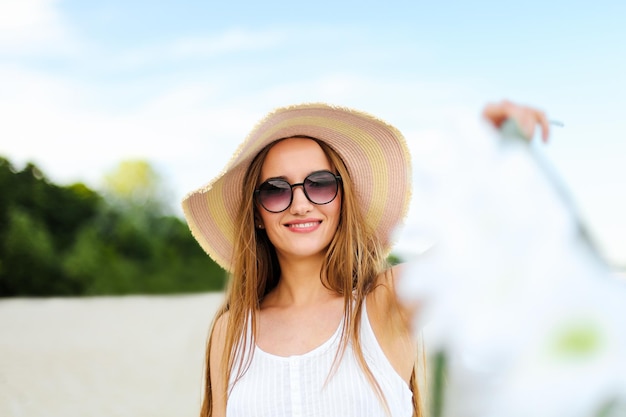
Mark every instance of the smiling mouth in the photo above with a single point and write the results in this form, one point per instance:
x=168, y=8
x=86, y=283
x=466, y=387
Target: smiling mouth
x=303, y=225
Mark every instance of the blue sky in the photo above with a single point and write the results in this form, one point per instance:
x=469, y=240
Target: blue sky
x=85, y=84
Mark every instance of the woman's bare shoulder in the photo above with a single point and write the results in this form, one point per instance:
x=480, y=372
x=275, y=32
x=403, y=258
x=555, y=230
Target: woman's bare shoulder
x=390, y=322
x=218, y=330
x=216, y=370
x=383, y=293
x=386, y=281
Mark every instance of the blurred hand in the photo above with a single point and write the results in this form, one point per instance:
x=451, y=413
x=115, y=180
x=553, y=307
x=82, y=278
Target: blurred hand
x=527, y=118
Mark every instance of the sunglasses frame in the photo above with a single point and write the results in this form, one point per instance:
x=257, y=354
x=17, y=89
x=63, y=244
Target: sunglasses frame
x=338, y=182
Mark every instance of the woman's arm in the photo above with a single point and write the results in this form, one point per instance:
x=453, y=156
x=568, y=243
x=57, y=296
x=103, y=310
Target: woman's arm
x=391, y=318
x=216, y=371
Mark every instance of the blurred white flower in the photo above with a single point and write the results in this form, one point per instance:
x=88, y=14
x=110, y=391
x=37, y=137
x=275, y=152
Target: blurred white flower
x=511, y=289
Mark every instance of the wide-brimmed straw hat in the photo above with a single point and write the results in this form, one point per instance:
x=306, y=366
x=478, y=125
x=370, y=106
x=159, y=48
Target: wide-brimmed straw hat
x=374, y=152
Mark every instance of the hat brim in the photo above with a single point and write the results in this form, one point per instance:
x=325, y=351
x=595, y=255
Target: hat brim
x=375, y=154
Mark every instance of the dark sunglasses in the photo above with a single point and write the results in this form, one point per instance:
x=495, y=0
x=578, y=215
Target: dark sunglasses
x=275, y=195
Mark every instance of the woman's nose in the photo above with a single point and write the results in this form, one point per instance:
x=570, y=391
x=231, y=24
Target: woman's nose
x=300, y=203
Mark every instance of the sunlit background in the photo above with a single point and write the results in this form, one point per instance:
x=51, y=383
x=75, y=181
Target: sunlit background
x=85, y=85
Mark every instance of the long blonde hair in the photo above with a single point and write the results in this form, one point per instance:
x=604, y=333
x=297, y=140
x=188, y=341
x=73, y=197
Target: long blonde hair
x=354, y=258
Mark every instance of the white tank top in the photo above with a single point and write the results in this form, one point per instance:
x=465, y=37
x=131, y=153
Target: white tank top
x=278, y=386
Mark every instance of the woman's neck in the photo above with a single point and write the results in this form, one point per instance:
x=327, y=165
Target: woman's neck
x=300, y=283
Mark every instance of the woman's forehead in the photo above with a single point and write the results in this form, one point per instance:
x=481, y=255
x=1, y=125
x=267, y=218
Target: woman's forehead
x=293, y=159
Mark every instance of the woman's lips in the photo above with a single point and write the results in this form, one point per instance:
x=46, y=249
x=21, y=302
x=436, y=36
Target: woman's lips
x=303, y=226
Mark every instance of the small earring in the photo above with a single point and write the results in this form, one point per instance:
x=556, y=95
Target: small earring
x=260, y=226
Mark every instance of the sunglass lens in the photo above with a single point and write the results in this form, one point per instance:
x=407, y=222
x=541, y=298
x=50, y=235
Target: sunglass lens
x=275, y=195
x=321, y=187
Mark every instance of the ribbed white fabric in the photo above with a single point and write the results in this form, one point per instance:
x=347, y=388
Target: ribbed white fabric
x=277, y=386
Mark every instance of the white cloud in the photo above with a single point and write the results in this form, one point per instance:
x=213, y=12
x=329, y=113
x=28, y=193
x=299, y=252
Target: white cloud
x=230, y=41
x=28, y=26
x=53, y=122
x=198, y=47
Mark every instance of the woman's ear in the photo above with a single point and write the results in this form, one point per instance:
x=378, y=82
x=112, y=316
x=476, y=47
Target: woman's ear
x=258, y=223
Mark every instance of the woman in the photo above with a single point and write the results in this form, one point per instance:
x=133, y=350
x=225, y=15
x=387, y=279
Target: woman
x=302, y=218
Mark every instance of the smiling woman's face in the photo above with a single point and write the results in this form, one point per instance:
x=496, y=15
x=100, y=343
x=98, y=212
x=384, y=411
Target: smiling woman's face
x=304, y=229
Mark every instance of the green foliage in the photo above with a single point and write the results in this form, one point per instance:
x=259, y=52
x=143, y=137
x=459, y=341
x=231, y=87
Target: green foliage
x=29, y=257
x=134, y=184
x=393, y=259
x=71, y=241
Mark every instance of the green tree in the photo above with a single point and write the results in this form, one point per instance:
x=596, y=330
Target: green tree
x=30, y=259
x=38, y=221
x=135, y=184
x=69, y=240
